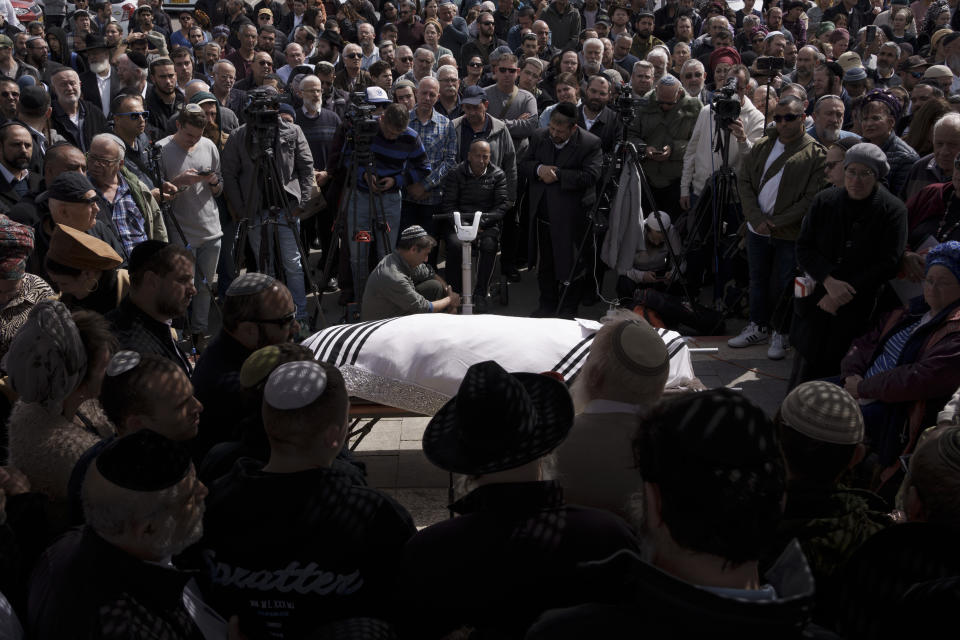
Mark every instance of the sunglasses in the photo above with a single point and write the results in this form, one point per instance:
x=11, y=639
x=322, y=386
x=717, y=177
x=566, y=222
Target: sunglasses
x=282, y=321
x=787, y=117
x=353, y=56
x=474, y=64
x=134, y=115
x=917, y=74
x=507, y=69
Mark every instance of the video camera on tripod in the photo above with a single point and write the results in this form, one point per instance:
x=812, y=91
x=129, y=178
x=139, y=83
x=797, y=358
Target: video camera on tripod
x=363, y=126
x=726, y=103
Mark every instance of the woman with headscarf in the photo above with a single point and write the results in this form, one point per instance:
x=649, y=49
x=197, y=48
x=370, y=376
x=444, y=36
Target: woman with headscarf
x=85, y=271
x=938, y=15
x=19, y=290
x=56, y=365
x=850, y=244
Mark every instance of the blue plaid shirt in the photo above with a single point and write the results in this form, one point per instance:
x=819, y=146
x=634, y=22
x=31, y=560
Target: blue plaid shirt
x=125, y=217
x=439, y=138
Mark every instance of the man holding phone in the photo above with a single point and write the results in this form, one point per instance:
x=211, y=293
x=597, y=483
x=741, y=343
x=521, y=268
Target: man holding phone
x=192, y=162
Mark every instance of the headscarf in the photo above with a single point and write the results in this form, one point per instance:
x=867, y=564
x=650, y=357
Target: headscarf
x=16, y=245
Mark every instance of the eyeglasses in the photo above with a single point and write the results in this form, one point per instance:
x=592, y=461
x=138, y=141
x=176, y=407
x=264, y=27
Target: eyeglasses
x=474, y=64
x=862, y=174
x=507, y=69
x=830, y=165
x=134, y=115
x=103, y=162
x=353, y=56
x=691, y=76
x=787, y=117
x=406, y=59
x=9, y=94
x=283, y=321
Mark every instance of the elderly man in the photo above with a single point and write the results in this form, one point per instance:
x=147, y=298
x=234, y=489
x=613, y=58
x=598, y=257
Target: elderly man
x=402, y=283
x=74, y=118
x=449, y=103
x=780, y=176
x=668, y=123
x=275, y=211
x=294, y=57
x=143, y=504
x=353, y=78
x=100, y=84
x=475, y=185
x=421, y=200
x=423, y=59
x=693, y=78
x=623, y=378
x=827, y=127
x=366, y=38
x=126, y=204
x=936, y=167
x=701, y=159
x=887, y=58
x=563, y=166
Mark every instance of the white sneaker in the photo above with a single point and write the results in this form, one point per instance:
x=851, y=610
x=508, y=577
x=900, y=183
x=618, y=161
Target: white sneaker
x=752, y=334
x=778, y=346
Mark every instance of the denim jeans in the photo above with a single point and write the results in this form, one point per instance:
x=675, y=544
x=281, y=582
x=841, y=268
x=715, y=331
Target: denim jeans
x=772, y=262
x=289, y=256
x=206, y=256
x=360, y=251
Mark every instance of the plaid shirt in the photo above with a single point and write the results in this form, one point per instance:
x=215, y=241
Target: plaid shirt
x=124, y=216
x=439, y=138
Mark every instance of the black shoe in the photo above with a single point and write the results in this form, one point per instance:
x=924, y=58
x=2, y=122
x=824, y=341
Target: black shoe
x=512, y=274
x=480, y=303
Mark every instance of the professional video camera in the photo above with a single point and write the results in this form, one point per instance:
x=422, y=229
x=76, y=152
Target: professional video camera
x=726, y=103
x=362, y=126
x=626, y=105
x=262, y=108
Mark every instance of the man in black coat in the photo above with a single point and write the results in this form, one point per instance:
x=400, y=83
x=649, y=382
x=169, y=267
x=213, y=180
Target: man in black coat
x=100, y=71
x=563, y=164
x=595, y=116
x=74, y=118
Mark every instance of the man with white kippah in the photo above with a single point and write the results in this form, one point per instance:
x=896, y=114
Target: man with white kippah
x=258, y=311
x=403, y=283
x=324, y=548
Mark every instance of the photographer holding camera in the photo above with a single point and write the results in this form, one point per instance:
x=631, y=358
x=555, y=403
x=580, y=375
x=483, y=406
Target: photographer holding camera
x=701, y=158
x=266, y=138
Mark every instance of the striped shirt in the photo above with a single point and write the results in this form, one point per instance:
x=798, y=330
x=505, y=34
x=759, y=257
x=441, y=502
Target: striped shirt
x=890, y=355
x=403, y=159
x=439, y=138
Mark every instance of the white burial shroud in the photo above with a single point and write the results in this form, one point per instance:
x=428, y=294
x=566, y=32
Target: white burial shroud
x=417, y=362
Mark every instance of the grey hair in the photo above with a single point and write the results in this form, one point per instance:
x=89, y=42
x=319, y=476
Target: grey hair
x=658, y=53
x=121, y=145
x=949, y=119
x=419, y=50
x=592, y=41
x=692, y=62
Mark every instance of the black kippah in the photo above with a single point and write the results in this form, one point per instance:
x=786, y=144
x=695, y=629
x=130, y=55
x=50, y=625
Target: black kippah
x=144, y=461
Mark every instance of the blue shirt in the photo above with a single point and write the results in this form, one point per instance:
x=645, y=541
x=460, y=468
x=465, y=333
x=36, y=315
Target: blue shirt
x=125, y=217
x=842, y=134
x=439, y=139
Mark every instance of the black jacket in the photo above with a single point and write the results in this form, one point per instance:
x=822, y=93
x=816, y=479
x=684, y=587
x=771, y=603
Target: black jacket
x=90, y=90
x=607, y=127
x=859, y=242
x=160, y=112
x=138, y=332
x=636, y=599
x=466, y=193
x=216, y=383
x=324, y=549
x=511, y=554
x=84, y=587
x=92, y=122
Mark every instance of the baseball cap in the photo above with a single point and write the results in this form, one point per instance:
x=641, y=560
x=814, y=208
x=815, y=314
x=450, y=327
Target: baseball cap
x=473, y=95
x=5, y=41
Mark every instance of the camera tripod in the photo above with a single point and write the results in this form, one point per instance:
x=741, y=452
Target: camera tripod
x=277, y=213
x=380, y=233
x=625, y=154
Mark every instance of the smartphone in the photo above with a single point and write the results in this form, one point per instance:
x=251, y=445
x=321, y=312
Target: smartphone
x=871, y=32
x=205, y=172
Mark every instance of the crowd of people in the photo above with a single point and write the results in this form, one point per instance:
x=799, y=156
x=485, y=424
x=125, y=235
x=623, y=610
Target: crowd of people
x=171, y=474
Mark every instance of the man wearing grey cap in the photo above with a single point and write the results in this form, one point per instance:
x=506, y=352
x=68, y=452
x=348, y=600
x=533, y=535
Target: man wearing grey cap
x=10, y=66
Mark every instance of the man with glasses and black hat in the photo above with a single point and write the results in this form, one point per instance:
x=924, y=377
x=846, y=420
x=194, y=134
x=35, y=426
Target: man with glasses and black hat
x=524, y=541
x=100, y=84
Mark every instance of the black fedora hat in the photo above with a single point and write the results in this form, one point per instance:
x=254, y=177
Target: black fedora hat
x=498, y=421
x=94, y=41
x=333, y=38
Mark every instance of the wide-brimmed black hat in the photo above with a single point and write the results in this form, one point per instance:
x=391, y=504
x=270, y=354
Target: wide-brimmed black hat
x=94, y=41
x=332, y=37
x=498, y=421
